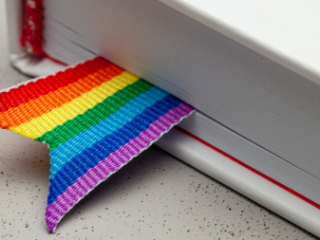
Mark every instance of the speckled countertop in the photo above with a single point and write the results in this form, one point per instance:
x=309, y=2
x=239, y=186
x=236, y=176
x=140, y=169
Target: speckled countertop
x=154, y=197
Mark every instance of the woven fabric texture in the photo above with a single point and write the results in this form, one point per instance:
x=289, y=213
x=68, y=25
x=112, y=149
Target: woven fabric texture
x=95, y=117
x=31, y=37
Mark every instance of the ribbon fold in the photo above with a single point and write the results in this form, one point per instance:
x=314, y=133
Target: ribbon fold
x=94, y=117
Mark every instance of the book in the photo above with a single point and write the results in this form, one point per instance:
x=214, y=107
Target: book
x=256, y=94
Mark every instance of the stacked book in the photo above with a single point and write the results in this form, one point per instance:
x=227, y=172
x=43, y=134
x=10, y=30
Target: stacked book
x=251, y=68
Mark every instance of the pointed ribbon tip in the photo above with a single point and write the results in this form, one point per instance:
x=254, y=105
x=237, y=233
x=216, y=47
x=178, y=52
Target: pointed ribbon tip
x=95, y=117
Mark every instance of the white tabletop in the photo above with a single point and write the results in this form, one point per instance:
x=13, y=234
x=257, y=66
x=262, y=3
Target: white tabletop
x=154, y=197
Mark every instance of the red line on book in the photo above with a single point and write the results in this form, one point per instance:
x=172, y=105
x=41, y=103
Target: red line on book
x=250, y=168
x=53, y=59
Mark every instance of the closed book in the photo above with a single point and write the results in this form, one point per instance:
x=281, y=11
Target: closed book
x=250, y=68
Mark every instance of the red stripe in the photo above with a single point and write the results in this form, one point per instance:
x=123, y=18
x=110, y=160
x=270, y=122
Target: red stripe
x=33, y=90
x=250, y=168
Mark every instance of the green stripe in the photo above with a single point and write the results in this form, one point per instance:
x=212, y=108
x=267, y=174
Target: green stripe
x=93, y=116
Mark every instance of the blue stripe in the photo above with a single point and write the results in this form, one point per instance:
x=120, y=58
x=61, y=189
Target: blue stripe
x=66, y=151
x=90, y=157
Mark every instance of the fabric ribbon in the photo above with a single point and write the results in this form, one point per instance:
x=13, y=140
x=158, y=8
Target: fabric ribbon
x=94, y=117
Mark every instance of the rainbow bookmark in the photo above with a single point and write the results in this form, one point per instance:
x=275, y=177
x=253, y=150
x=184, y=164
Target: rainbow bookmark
x=95, y=117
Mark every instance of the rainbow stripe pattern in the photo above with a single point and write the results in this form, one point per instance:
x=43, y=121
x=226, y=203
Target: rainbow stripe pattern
x=95, y=117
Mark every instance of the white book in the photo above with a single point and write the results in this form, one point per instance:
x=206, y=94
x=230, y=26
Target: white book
x=251, y=68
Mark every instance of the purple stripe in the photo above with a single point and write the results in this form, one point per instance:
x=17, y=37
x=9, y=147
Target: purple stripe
x=111, y=164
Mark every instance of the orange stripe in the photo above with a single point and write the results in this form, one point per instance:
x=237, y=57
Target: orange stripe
x=14, y=117
x=42, y=86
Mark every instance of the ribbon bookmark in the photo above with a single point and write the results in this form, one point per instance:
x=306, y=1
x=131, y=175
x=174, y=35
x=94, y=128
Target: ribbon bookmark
x=94, y=117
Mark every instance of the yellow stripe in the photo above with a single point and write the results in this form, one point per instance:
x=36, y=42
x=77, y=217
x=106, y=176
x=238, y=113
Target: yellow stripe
x=58, y=116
